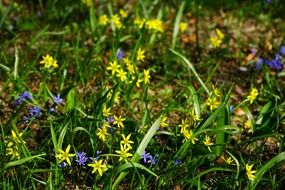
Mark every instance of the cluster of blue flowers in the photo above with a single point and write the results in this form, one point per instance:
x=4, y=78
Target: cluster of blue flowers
x=22, y=97
x=275, y=63
x=35, y=111
x=148, y=158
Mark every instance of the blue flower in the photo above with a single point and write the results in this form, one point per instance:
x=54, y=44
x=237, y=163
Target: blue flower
x=98, y=152
x=259, y=63
x=58, y=99
x=177, y=161
x=110, y=119
x=26, y=120
x=275, y=63
x=146, y=157
x=120, y=54
x=269, y=1
x=35, y=112
x=154, y=160
x=22, y=97
x=81, y=158
x=62, y=164
x=51, y=109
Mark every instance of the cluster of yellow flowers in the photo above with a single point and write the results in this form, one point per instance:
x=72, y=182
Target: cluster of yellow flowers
x=152, y=24
x=213, y=100
x=125, y=147
x=217, y=40
x=119, y=68
x=12, y=142
x=115, y=19
x=102, y=132
x=187, y=132
x=49, y=61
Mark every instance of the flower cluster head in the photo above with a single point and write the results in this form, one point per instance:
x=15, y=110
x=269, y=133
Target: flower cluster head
x=164, y=121
x=81, y=158
x=228, y=160
x=148, y=158
x=35, y=112
x=99, y=166
x=57, y=99
x=49, y=61
x=213, y=100
x=249, y=172
x=12, y=144
x=125, y=147
x=154, y=25
x=276, y=63
x=124, y=153
x=187, y=132
x=217, y=40
x=102, y=132
x=252, y=95
x=22, y=97
x=208, y=142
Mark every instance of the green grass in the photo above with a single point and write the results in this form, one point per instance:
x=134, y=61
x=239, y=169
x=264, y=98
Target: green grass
x=179, y=116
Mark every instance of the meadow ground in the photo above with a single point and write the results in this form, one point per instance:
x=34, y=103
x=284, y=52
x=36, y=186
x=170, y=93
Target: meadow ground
x=142, y=94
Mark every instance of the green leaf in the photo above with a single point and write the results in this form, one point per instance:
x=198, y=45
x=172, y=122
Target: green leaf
x=191, y=66
x=71, y=100
x=137, y=165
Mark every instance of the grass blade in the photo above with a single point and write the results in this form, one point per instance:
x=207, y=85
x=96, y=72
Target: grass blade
x=190, y=65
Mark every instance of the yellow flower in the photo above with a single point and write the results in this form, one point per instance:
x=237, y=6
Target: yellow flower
x=117, y=21
x=140, y=55
x=130, y=66
x=124, y=153
x=208, y=142
x=48, y=61
x=184, y=125
x=183, y=27
x=102, y=133
x=195, y=117
x=139, y=22
x=213, y=103
x=220, y=34
x=190, y=136
x=216, y=42
x=98, y=166
x=106, y=111
x=250, y=172
x=154, y=24
x=64, y=155
x=119, y=121
x=228, y=160
x=103, y=20
x=163, y=121
x=138, y=83
x=146, y=76
x=126, y=142
x=114, y=67
x=121, y=74
x=216, y=91
x=123, y=13
x=252, y=95
x=13, y=151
